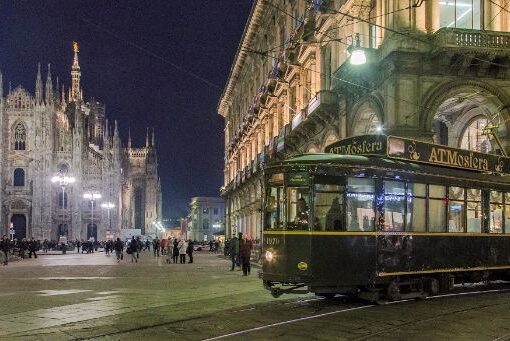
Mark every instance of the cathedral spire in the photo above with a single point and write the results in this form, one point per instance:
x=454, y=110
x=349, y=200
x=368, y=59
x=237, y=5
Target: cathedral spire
x=49, y=87
x=129, y=137
x=153, y=139
x=147, y=138
x=116, y=130
x=63, y=100
x=38, y=86
x=75, y=75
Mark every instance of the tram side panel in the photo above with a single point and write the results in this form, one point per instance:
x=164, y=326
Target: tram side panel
x=343, y=262
x=291, y=258
x=420, y=254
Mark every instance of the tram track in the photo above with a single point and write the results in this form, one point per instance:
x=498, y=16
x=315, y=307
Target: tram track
x=247, y=331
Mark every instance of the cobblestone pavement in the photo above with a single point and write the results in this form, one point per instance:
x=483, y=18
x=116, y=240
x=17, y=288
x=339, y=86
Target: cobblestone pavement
x=80, y=295
x=76, y=297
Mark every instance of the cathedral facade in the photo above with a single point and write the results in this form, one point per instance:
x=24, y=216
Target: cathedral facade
x=63, y=169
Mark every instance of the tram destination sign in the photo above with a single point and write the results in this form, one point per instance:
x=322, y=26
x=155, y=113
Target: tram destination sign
x=420, y=152
x=359, y=145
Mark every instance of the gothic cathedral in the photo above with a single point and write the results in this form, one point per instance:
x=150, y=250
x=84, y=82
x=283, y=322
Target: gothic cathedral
x=64, y=171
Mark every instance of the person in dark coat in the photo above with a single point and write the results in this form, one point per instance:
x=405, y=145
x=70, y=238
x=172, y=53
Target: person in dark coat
x=23, y=246
x=189, y=251
x=5, y=246
x=119, y=249
x=32, y=247
x=175, y=251
x=234, y=251
x=244, y=254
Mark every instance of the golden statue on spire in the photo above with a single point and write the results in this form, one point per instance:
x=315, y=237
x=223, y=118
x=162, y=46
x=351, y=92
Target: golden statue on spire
x=75, y=47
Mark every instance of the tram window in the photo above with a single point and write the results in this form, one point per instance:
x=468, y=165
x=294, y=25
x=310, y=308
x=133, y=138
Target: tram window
x=456, y=216
x=496, y=212
x=474, y=210
x=328, y=208
x=394, y=205
x=417, y=190
x=456, y=209
x=298, y=208
x=436, y=191
x=360, y=204
x=416, y=213
x=437, y=216
x=274, y=208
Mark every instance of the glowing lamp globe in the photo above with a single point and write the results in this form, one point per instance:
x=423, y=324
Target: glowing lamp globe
x=358, y=57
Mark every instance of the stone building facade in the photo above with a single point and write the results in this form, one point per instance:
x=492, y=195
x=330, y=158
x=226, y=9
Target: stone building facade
x=206, y=218
x=57, y=133
x=438, y=71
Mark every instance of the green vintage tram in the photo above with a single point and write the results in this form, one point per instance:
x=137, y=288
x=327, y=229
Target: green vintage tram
x=385, y=218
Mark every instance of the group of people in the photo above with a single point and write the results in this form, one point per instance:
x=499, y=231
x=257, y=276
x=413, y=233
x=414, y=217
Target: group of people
x=20, y=248
x=240, y=253
x=175, y=249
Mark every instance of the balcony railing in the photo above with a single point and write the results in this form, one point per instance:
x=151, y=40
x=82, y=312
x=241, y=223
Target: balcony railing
x=464, y=38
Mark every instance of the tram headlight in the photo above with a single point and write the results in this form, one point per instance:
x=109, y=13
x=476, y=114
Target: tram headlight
x=269, y=256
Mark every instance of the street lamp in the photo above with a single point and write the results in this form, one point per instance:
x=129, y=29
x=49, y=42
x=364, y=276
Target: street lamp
x=357, y=53
x=108, y=206
x=92, y=197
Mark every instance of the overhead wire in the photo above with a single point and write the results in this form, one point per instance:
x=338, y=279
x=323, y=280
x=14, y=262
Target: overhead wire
x=152, y=54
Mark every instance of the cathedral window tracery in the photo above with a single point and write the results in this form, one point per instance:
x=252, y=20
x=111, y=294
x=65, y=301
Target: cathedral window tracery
x=20, y=135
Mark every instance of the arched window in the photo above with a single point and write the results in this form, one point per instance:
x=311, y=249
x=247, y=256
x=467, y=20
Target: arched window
x=62, y=200
x=20, y=136
x=19, y=177
x=474, y=138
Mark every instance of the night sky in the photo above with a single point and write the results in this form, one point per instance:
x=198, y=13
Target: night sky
x=139, y=58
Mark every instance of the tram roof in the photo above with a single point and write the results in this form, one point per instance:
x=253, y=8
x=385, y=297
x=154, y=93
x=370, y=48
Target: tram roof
x=380, y=162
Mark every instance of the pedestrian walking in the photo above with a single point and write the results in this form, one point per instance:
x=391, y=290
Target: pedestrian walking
x=32, y=247
x=189, y=251
x=78, y=246
x=5, y=246
x=156, y=245
x=131, y=250
x=182, y=246
x=234, y=251
x=245, y=247
x=119, y=249
x=138, y=247
x=45, y=246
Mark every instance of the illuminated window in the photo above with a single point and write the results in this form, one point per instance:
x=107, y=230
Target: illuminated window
x=394, y=205
x=360, y=204
x=460, y=13
x=496, y=212
x=474, y=138
x=437, y=208
x=456, y=209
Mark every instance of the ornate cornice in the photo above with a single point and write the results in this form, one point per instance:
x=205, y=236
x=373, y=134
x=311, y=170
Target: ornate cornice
x=249, y=34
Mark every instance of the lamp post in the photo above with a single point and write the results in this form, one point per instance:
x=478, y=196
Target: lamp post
x=63, y=181
x=108, y=206
x=358, y=56
x=92, y=197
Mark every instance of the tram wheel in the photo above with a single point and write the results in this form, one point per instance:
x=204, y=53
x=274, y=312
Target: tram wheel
x=276, y=292
x=393, y=291
x=433, y=287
